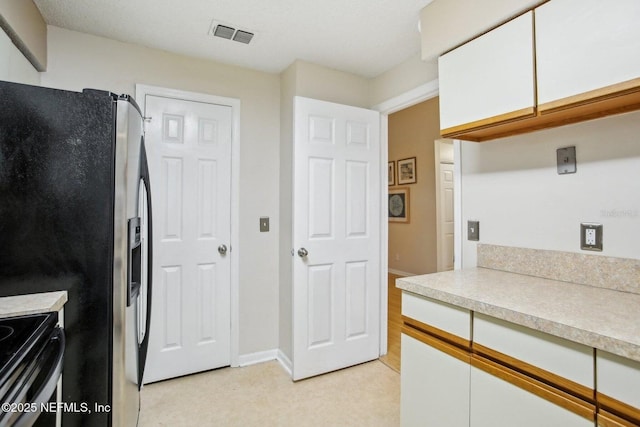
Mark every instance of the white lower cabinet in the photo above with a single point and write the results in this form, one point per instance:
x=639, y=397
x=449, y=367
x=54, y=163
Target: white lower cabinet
x=496, y=402
x=434, y=386
x=618, y=389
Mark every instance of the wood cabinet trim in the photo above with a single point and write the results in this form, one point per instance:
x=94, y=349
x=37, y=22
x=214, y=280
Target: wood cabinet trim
x=540, y=389
x=606, y=419
x=616, y=90
x=619, y=408
x=559, y=117
x=489, y=122
x=431, y=341
x=557, y=381
x=436, y=332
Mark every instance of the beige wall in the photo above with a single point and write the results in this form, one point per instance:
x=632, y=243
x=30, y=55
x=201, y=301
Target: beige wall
x=412, y=133
x=23, y=23
x=402, y=78
x=326, y=84
x=14, y=67
x=78, y=60
x=287, y=92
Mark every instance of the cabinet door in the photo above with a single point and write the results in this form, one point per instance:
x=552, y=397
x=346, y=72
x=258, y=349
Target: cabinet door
x=488, y=80
x=500, y=397
x=584, y=46
x=618, y=382
x=434, y=385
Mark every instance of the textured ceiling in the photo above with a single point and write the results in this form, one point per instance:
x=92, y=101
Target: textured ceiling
x=364, y=37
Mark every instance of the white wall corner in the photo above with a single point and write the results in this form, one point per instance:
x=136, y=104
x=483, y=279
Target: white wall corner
x=258, y=357
x=285, y=362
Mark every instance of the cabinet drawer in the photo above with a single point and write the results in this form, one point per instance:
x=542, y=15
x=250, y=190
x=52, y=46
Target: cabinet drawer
x=618, y=382
x=552, y=359
x=437, y=315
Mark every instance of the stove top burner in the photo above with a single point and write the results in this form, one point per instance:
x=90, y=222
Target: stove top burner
x=5, y=332
x=18, y=335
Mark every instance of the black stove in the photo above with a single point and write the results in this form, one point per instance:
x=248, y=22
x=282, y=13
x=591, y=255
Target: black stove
x=19, y=336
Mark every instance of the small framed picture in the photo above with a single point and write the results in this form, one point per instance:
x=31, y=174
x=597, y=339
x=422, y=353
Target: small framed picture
x=407, y=173
x=399, y=205
x=392, y=173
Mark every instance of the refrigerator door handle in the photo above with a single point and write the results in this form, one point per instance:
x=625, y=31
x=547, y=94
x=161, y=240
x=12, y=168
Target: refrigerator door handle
x=144, y=345
x=134, y=260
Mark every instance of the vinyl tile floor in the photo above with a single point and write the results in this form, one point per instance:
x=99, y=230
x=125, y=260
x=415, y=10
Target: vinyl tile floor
x=264, y=395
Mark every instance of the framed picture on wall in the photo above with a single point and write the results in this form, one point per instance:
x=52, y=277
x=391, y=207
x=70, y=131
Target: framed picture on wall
x=399, y=205
x=407, y=173
x=392, y=173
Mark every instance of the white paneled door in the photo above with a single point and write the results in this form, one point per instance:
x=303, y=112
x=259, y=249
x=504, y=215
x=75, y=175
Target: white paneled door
x=446, y=226
x=189, y=145
x=336, y=237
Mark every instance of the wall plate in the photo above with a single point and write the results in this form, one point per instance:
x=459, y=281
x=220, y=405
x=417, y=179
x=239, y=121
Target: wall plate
x=591, y=236
x=473, y=230
x=264, y=224
x=566, y=158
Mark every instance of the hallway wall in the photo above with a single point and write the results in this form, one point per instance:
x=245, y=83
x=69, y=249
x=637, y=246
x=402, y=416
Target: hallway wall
x=412, y=246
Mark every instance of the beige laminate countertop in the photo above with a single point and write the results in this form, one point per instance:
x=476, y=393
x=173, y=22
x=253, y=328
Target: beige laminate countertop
x=32, y=303
x=605, y=319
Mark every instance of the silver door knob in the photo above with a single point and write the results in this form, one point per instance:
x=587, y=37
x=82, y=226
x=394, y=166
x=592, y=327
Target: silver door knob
x=302, y=253
x=222, y=249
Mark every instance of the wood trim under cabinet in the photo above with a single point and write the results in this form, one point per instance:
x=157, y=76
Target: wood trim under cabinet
x=436, y=332
x=606, y=419
x=615, y=99
x=620, y=409
x=489, y=122
x=564, y=384
x=612, y=91
x=540, y=389
x=436, y=343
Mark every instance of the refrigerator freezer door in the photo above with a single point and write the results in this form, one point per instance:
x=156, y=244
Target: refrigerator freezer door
x=131, y=260
x=146, y=266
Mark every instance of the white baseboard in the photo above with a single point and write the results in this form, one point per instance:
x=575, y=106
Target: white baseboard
x=285, y=362
x=401, y=273
x=259, y=357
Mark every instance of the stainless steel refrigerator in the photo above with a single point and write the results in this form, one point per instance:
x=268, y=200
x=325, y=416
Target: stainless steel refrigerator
x=75, y=215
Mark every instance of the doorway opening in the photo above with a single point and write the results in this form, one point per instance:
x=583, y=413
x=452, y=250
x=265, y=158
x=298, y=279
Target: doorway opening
x=413, y=132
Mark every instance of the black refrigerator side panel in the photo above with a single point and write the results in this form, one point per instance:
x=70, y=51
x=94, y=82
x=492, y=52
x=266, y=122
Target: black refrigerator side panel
x=56, y=224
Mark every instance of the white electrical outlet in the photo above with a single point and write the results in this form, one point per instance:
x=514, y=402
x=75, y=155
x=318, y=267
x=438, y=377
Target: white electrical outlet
x=591, y=236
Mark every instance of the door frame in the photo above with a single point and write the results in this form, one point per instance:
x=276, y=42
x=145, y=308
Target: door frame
x=407, y=99
x=437, y=145
x=142, y=90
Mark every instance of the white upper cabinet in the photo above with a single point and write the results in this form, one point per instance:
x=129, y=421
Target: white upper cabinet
x=584, y=46
x=489, y=79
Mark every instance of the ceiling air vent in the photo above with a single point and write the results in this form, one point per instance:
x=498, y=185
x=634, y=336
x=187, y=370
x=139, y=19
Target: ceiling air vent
x=230, y=33
x=243, y=36
x=223, y=31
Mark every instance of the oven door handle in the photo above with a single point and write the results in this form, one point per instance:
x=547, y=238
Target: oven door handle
x=49, y=384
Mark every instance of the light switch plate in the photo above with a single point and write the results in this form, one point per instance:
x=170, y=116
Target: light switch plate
x=264, y=224
x=473, y=230
x=566, y=160
x=591, y=236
